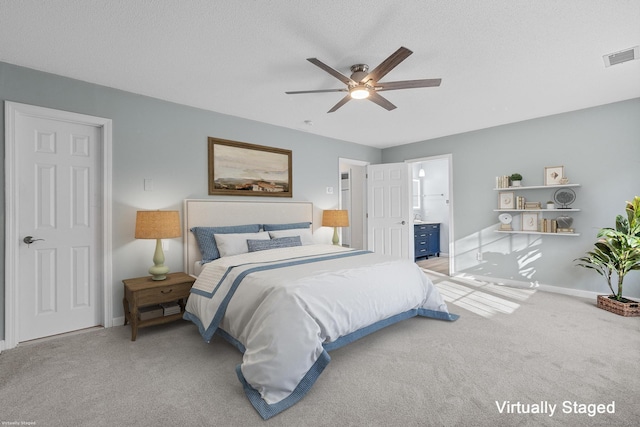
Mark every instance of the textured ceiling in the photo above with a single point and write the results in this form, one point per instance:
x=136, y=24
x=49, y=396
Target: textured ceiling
x=501, y=61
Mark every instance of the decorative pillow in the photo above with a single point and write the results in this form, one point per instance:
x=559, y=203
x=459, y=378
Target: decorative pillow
x=236, y=243
x=282, y=242
x=289, y=226
x=207, y=244
x=306, y=238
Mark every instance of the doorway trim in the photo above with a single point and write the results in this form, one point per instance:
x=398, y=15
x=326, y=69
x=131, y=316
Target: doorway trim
x=344, y=162
x=451, y=244
x=105, y=127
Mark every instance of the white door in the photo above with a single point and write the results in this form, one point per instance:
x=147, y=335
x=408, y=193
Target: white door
x=389, y=213
x=58, y=204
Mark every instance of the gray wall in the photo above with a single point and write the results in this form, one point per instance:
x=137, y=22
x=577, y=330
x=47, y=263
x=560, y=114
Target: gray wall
x=167, y=142
x=599, y=148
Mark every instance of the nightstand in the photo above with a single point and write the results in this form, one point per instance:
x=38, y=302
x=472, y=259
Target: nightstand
x=144, y=292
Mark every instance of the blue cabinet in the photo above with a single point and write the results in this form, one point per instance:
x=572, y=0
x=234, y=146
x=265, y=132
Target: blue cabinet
x=426, y=239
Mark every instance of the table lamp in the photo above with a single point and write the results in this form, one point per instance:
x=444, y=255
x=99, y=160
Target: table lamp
x=158, y=225
x=335, y=218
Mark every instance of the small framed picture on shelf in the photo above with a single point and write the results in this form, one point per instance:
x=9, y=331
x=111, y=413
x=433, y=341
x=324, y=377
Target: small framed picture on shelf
x=529, y=221
x=506, y=200
x=553, y=175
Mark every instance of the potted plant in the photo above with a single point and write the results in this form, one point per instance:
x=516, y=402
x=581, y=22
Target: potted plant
x=617, y=250
x=515, y=179
x=550, y=205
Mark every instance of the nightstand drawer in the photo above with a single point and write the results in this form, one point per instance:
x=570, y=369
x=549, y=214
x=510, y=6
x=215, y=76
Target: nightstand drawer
x=162, y=294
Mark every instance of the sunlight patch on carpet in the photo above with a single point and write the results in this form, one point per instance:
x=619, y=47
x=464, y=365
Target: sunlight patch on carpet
x=483, y=298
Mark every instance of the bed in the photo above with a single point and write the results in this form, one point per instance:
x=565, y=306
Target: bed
x=285, y=300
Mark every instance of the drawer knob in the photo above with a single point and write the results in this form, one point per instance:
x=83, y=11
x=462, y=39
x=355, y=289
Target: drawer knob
x=168, y=291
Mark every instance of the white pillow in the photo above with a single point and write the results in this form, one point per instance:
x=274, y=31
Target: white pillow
x=236, y=243
x=306, y=238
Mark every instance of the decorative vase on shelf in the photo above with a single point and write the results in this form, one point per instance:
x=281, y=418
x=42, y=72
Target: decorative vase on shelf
x=564, y=223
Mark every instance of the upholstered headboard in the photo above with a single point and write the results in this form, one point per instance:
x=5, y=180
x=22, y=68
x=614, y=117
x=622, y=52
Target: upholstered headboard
x=211, y=213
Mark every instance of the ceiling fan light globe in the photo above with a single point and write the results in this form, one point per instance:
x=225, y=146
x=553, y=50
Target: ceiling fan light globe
x=359, y=92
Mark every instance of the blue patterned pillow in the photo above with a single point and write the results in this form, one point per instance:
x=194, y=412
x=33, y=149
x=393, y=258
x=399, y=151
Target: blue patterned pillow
x=282, y=242
x=207, y=243
x=289, y=226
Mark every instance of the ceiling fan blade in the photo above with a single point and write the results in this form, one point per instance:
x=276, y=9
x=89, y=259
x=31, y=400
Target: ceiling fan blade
x=387, y=65
x=408, y=84
x=296, y=92
x=335, y=73
x=340, y=104
x=383, y=102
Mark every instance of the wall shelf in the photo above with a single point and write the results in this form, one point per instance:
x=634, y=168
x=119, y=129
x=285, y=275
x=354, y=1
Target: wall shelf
x=537, y=187
x=537, y=210
x=536, y=232
x=541, y=211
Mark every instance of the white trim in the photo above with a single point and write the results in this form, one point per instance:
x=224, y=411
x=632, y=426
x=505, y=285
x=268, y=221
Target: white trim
x=342, y=162
x=11, y=192
x=533, y=285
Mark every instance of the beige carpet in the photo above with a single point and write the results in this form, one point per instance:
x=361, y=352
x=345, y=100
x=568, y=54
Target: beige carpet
x=510, y=349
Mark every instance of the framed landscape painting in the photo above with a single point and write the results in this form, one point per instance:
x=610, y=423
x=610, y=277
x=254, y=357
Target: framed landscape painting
x=241, y=169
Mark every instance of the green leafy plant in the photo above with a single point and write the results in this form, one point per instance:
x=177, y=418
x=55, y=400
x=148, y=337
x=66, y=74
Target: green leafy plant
x=515, y=177
x=617, y=250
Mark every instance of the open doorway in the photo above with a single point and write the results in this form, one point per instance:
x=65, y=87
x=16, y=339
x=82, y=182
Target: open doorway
x=353, y=198
x=433, y=211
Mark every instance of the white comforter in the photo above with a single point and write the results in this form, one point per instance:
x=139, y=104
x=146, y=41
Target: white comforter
x=285, y=308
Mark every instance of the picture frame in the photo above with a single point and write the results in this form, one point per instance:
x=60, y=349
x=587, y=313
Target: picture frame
x=506, y=200
x=529, y=221
x=243, y=169
x=553, y=175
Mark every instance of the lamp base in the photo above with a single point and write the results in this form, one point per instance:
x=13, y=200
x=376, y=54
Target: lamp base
x=336, y=239
x=159, y=270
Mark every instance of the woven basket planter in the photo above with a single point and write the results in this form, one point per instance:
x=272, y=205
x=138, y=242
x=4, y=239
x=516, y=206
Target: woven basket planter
x=627, y=308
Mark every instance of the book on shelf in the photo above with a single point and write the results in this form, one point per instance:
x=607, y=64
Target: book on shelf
x=532, y=205
x=549, y=226
x=502, y=181
x=150, y=312
x=170, y=308
x=565, y=230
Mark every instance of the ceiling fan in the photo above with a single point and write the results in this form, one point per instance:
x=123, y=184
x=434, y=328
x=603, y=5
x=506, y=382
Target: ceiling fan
x=366, y=85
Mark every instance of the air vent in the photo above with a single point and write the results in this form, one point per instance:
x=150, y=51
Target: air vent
x=622, y=56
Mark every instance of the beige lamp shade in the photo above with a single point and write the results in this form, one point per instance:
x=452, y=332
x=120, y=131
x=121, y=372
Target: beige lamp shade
x=335, y=218
x=157, y=224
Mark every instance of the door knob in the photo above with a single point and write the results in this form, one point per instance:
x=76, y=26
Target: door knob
x=29, y=240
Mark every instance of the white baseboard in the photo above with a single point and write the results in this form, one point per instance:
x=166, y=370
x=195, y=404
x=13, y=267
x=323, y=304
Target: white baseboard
x=537, y=286
x=118, y=321
x=2, y=346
